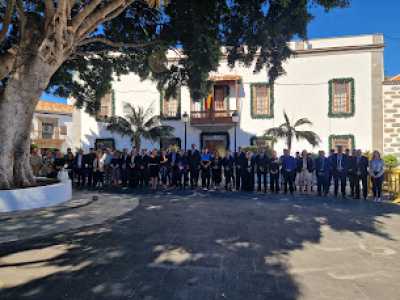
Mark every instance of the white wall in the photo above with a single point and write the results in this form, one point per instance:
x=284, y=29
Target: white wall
x=302, y=92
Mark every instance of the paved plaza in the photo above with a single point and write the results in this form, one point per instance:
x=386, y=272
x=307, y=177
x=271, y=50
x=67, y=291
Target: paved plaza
x=199, y=245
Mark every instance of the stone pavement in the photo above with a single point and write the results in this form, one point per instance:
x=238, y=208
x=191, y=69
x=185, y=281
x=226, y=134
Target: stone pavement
x=214, y=246
x=81, y=211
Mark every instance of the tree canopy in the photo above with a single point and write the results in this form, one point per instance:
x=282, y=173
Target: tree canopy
x=117, y=37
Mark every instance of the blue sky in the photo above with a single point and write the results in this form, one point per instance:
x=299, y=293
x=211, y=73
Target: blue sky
x=362, y=17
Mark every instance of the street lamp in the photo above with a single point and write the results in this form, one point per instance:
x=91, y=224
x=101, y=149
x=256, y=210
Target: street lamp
x=185, y=119
x=235, y=120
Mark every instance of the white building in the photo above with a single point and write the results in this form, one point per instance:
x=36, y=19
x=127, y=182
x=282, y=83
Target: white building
x=52, y=126
x=335, y=82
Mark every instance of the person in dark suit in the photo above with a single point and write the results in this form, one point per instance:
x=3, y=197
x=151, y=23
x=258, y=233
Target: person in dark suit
x=79, y=168
x=88, y=163
x=339, y=169
x=174, y=159
x=331, y=158
x=360, y=169
x=239, y=160
x=274, y=173
x=247, y=169
x=351, y=174
x=144, y=169
x=262, y=163
x=125, y=159
x=289, y=166
x=322, y=170
x=136, y=163
x=194, y=166
x=228, y=163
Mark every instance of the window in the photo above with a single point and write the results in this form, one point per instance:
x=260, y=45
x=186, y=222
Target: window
x=106, y=106
x=171, y=108
x=47, y=130
x=168, y=142
x=63, y=130
x=346, y=141
x=261, y=100
x=104, y=143
x=262, y=142
x=341, y=97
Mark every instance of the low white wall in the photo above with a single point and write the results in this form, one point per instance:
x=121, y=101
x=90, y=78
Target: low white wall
x=36, y=197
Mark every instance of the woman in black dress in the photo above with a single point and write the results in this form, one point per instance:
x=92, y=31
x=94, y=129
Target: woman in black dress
x=216, y=167
x=164, y=168
x=154, y=168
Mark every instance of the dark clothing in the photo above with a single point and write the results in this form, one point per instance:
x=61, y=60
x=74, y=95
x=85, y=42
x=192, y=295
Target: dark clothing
x=88, y=160
x=205, y=173
x=360, y=173
x=274, y=175
x=239, y=159
x=79, y=169
x=216, y=171
x=322, y=169
x=289, y=166
x=125, y=169
x=340, y=166
x=154, y=166
x=228, y=164
x=377, y=186
x=300, y=162
x=262, y=164
x=194, y=167
x=247, y=167
x=183, y=171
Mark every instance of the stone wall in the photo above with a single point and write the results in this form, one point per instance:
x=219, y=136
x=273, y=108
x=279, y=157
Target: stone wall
x=391, y=110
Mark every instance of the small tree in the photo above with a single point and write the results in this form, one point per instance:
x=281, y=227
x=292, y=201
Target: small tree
x=288, y=131
x=139, y=123
x=391, y=161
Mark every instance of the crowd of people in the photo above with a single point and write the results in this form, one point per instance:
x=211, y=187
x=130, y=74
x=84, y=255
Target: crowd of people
x=262, y=170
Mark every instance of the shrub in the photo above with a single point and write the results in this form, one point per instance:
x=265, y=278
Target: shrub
x=391, y=161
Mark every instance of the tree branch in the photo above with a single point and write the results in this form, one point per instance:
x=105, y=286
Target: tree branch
x=49, y=11
x=79, y=18
x=7, y=20
x=116, y=44
x=7, y=61
x=97, y=17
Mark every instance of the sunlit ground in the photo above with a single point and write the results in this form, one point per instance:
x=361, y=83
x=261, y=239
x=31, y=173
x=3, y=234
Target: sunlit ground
x=215, y=246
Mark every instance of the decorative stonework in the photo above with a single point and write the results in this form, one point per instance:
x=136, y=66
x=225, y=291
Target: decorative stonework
x=391, y=110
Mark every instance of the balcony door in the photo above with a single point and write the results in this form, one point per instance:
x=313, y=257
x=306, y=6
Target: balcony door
x=221, y=98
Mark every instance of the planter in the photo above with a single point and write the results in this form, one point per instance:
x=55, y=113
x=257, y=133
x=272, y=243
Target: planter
x=35, y=197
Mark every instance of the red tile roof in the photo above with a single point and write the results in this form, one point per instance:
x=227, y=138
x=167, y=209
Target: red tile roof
x=53, y=107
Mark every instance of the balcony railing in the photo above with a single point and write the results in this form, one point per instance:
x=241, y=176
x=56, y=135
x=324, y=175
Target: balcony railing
x=222, y=117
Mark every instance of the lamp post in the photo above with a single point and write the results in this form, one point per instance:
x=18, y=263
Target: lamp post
x=235, y=120
x=185, y=119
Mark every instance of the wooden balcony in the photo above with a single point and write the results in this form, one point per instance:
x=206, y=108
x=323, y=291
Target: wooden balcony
x=207, y=118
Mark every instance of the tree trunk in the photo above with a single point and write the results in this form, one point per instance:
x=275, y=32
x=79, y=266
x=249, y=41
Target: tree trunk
x=17, y=105
x=137, y=142
x=289, y=143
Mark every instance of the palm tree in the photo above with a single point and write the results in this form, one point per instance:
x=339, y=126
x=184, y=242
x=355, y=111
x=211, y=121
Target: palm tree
x=288, y=132
x=139, y=123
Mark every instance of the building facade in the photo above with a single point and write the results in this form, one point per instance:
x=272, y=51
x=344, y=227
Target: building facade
x=336, y=83
x=391, y=102
x=52, y=126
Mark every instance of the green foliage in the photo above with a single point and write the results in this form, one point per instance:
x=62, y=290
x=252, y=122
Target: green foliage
x=252, y=31
x=288, y=131
x=139, y=123
x=391, y=161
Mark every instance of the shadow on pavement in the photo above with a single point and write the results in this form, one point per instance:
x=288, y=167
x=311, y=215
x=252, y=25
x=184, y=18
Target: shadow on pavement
x=185, y=246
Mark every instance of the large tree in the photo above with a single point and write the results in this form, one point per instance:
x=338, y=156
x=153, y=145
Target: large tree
x=76, y=47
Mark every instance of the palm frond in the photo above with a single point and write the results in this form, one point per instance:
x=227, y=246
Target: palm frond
x=153, y=121
x=119, y=125
x=310, y=136
x=302, y=121
x=276, y=132
x=287, y=121
x=159, y=131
